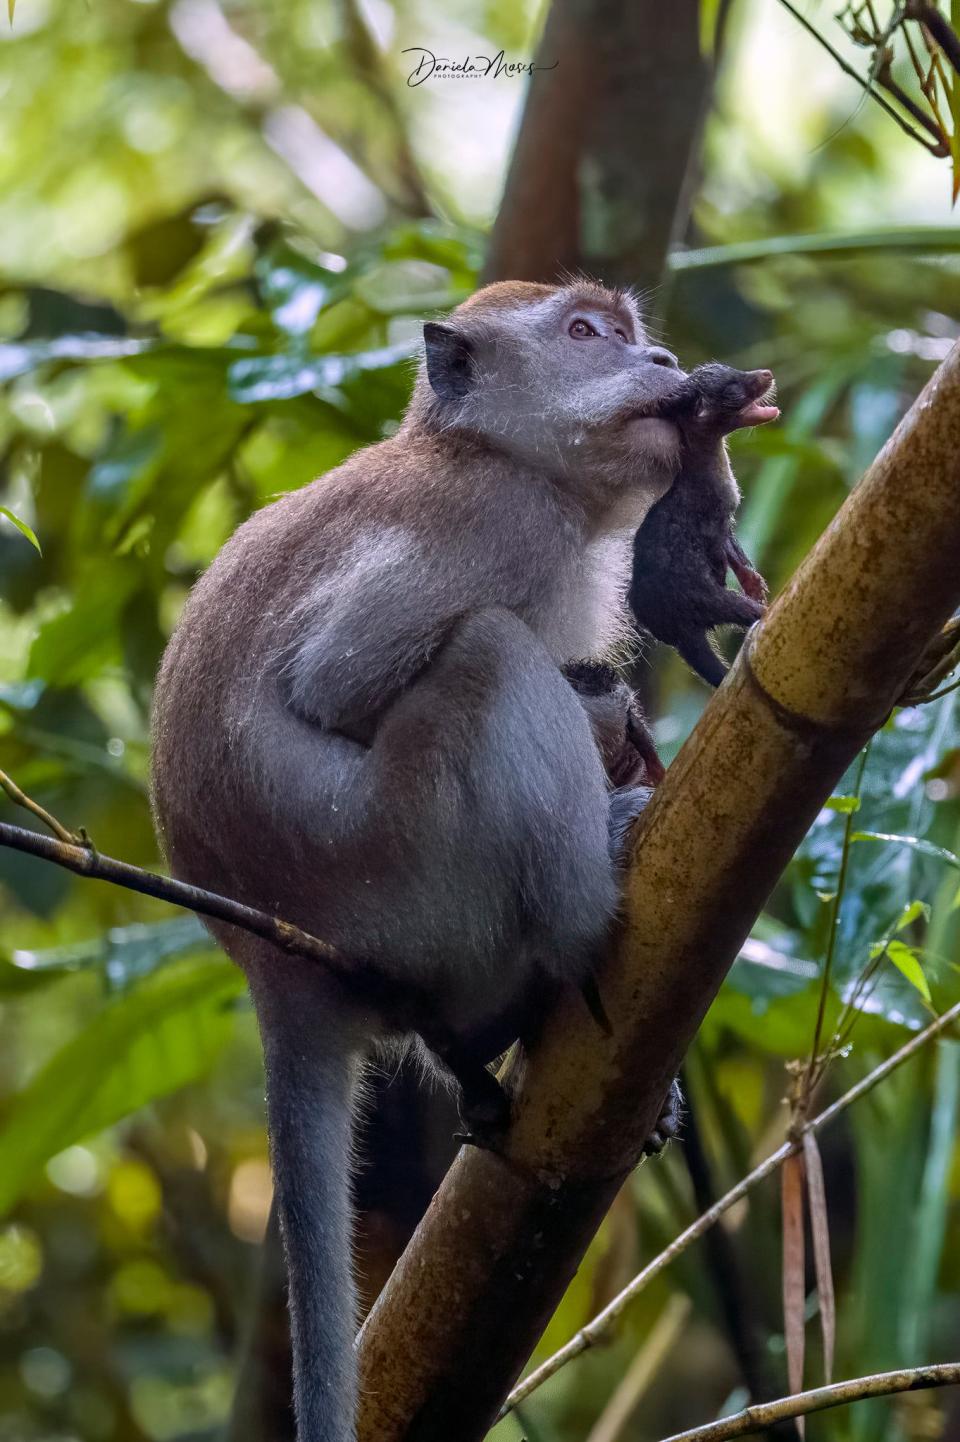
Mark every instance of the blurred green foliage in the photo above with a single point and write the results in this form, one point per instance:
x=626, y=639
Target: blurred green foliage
x=201, y=306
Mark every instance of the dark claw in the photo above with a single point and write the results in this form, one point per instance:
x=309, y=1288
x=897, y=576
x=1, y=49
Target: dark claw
x=483, y=1105
x=668, y=1122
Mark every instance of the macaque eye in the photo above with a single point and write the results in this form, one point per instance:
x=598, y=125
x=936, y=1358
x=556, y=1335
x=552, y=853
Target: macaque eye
x=581, y=330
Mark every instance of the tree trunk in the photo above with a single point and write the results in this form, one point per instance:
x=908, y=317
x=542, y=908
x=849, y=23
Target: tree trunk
x=601, y=177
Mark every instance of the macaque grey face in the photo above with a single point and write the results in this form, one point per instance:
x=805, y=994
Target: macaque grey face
x=571, y=383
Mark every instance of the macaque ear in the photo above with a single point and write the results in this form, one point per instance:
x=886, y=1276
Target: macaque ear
x=450, y=367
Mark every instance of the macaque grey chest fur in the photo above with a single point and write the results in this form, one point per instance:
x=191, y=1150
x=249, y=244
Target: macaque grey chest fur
x=687, y=542
x=362, y=725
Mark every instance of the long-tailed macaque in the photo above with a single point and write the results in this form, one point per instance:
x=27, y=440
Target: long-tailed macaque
x=687, y=542
x=362, y=725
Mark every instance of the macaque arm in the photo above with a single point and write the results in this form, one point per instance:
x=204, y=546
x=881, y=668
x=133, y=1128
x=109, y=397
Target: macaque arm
x=361, y=638
x=481, y=812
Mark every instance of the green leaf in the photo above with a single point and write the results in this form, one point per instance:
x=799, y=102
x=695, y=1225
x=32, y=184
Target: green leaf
x=77, y=644
x=845, y=805
x=907, y=962
x=911, y=913
x=162, y=1035
x=125, y=955
x=709, y=12
x=18, y=358
x=17, y=980
x=917, y=842
x=952, y=86
x=927, y=239
x=279, y=377
x=295, y=289
x=21, y=526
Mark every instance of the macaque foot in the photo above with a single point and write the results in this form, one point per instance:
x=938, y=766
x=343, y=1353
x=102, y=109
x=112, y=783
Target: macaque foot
x=625, y=806
x=668, y=1122
x=483, y=1105
x=940, y=657
x=484, y=1141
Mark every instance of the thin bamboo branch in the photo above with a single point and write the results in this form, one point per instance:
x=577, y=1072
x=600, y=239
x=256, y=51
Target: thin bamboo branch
x=644, y=1368
x=85, y=860
x=594, y=1330
x=885, y=78
x=20, y=798
x=801, y=1404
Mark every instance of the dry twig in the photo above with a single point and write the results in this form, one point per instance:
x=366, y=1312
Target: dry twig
x=765, y=1414
x=594, y=1330
x=74, y=851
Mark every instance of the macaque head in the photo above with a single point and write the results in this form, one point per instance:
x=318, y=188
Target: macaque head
x=564, y=378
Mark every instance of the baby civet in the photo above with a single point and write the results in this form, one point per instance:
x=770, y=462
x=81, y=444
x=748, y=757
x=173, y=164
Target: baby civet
x=687, y=543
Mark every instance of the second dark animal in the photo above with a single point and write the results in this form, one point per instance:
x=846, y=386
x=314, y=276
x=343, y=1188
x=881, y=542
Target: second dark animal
x=627, y=748
x=687, y=542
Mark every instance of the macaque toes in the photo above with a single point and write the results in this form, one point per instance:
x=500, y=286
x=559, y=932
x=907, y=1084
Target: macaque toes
x=687, y=543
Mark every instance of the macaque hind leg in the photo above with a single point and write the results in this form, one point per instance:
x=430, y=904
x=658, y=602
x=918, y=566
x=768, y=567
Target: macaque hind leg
x=496, y=825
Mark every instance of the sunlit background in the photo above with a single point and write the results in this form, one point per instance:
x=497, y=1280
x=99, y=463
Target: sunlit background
x=219, y=228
